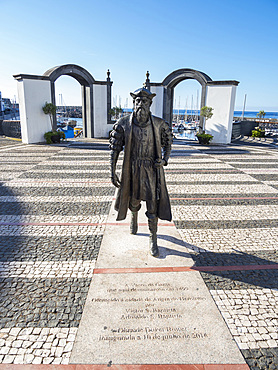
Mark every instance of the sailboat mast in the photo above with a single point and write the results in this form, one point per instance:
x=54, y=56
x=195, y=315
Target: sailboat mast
x=243, y=107
x=191, y=107
x=197, y=107
x=179, y=109
x=185, y=113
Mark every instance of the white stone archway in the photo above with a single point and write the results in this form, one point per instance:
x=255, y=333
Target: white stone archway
x=220, y=95
x=35, y=90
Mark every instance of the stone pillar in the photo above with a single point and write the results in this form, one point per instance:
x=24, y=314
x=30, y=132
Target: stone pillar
x=203, y=103
x=220, y=95
x=84, y=110
x=100, y=111
x=168, y=97
x=89, y=111
x=53, y=101
x=157, y=104
x=33, y=93
x=101, y=103
x=109, y=96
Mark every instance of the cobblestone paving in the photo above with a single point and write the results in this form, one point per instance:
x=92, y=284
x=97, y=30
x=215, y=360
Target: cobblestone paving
x=54, y=203
x=230, y=219
x=6, y=142
x=53, y=209
x=34, y=345
x=50, y=247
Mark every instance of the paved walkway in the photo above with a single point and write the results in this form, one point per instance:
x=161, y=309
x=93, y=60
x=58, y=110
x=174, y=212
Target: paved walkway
x=54, y=205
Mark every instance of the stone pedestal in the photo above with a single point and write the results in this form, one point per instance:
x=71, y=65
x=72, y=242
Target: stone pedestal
x=146, y=310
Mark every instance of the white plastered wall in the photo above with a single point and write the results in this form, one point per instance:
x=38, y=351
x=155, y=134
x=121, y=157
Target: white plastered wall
x=157, y=105
x=222, y=99
x=32, y=95
x=101, y=128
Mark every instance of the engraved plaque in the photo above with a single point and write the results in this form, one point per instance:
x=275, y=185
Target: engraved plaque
x=152, y=318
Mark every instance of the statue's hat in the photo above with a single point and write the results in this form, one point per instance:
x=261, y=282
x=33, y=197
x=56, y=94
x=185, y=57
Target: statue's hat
x=142, y=92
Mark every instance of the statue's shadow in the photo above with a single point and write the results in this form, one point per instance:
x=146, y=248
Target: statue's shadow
x=264, y=274
x=164, y=252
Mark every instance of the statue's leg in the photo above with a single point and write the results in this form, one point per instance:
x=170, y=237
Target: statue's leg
x=152, y=222
x=134, y=223
x=134, y=206
x=153, y=237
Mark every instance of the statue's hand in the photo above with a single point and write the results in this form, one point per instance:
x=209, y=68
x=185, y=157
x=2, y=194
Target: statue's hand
x=159, y=163
x=115, y=181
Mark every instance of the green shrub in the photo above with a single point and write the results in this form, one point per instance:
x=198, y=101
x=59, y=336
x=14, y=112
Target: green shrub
x=204, y=138
x=258, y=132
x=49, y=134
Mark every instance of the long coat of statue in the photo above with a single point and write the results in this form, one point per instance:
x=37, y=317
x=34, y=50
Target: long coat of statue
x=122, y=138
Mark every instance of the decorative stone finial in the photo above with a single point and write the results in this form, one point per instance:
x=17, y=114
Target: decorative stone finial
x=108, y=75
x=147, y=82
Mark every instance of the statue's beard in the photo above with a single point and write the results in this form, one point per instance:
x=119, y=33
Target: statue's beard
x=141, y=115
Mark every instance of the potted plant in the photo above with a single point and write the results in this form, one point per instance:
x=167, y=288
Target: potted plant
x=52, y=136
x=204, y=138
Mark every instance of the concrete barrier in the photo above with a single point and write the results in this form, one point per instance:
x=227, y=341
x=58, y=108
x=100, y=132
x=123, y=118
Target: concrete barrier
x=243, y=128
x=10, y=128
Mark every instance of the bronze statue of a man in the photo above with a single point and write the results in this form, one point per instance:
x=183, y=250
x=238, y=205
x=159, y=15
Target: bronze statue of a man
x=147, y=142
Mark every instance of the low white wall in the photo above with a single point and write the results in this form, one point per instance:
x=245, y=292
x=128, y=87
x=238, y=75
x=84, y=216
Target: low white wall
x=157, y=105
x=222, y=99
x=101, y=128
x=32, y=95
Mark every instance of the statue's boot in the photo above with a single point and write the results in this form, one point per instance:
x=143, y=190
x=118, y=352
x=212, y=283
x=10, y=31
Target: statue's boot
x=153, y=236
x=134, y=223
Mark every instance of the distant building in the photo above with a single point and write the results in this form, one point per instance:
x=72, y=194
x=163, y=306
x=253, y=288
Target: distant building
x=5, y=104
x=8, y=108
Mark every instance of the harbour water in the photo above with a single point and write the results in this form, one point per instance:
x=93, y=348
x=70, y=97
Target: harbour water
x=237, y=113
x=247, y=114
x=252, y=114
x=191, y=134
x=185, y=134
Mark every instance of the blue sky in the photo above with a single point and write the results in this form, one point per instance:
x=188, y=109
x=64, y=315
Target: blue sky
x=228, y=40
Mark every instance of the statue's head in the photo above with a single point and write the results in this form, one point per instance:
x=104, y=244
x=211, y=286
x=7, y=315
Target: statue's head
x=142, y=101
